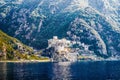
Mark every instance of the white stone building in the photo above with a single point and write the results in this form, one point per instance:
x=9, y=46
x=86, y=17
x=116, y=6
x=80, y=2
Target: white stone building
x=62, y=50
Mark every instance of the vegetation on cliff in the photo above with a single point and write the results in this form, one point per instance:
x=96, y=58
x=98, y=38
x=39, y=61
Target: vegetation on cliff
x=13, y=49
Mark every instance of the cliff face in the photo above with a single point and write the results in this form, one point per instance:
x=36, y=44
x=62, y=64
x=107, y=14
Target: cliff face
x=11, y=48
x=93, y=24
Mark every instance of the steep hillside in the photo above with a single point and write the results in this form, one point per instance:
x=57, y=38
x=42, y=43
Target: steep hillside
x=11, y=48
x=93, y=24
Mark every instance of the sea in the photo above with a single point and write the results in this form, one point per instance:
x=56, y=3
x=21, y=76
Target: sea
x=80, y=70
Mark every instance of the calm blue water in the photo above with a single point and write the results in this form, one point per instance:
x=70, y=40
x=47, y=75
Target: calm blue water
x=109, y=70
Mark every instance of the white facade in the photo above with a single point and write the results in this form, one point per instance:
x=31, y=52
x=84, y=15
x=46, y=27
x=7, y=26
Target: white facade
x=58, y=44
x=62, y=50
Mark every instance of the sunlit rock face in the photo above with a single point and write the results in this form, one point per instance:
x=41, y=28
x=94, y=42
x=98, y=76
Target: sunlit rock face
x=110, y=9
x=92, y=23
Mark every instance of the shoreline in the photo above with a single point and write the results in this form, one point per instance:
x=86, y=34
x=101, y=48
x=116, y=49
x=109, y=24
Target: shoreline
x=34, y=61
x=24, y=61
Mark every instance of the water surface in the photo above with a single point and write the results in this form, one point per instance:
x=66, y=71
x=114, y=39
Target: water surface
x=99, y=70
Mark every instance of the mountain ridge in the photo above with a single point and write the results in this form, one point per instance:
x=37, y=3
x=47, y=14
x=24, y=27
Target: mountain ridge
x=35, y=22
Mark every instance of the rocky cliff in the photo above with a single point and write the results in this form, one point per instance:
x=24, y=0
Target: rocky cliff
x=12, y=49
